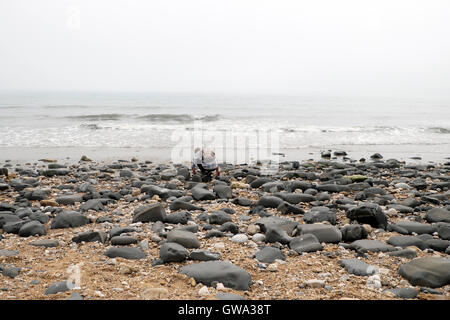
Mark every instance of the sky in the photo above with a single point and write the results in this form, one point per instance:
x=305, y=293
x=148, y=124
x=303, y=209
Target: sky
x=295, y=47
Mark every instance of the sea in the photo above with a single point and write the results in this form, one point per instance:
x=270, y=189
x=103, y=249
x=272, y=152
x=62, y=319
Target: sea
x=155, y=126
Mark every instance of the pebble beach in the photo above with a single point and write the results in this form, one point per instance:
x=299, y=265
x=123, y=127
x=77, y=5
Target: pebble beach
x=331, y=229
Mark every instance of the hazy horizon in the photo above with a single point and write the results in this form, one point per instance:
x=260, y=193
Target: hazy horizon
x=325, y=48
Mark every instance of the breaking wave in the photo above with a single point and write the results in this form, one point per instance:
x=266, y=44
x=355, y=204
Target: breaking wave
x=99, y=117
x=167, y=117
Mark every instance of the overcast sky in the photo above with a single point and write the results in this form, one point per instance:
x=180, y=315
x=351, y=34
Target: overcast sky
x=354, y=47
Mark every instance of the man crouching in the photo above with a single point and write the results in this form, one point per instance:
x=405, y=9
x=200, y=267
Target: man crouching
x=205, y=160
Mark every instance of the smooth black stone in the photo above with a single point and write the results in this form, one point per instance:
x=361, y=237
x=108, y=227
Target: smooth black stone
x=430, y=290
x=260, y=211
x=357, y=267
x=438, y=244
x=7, y=217
x=47, y=243
x=90, y=236
x=182, y=205
x=305, y=243
x=32, y=228
x=320, y=214
x=269, y=255
x=323, y=232
x=93, y=204
x=405, y=293
x=276, y=234
x=125, y=252
x=444, y=231
x=412, y=226
x=438, y=215
x=114, y=232
x=123, y=240
x=36, y=195
x=55, y=172
x=172, y=252
x=179, y=217
x=401, y=208
x=302, y=185
x=295, y=198
x=353, y=232
x=269, y=202
x=219, y=217
x=286, y=208
x=274, y=221
x=229, y=275
x=273, y=186
x=371, y=246
x=368, y=214
x=405, y=253
x=200, y=194
x=11, y=272
x=57, y=287
x=407, y=241
x=259, y=182
x=185, y=238
x=104, y=219
x=332, y=188
x=428, y=272
x=214, y=233
x=242, y=202
x=410, y=202
x=191, y=228
x=39, y=216
x=229, y=227
x=203, y=255
x=223, y=191
x=69, y=219
x=228, y=210
x=13, y=227
x=150, y=213
x=69, y=199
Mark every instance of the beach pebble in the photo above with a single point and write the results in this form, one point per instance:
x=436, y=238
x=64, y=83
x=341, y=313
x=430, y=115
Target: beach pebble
x=315, y=283
x=273, y=267
x=258, y=237
x=253, y=229
x=219, y=245
x=239, y=238
x=203, y=292
x=220, y=287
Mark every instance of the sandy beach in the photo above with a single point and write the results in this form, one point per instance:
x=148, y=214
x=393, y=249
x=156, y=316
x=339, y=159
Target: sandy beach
x=410, y=154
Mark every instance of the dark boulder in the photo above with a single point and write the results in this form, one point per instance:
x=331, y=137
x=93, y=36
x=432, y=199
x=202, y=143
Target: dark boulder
x=428, y=272
x=369, y=213
x=32, y=228
x=353, y=232
x=152, y=213
x=69, y=219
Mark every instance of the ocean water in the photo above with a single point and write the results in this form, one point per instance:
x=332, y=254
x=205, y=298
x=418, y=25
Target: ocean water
x=156, y=121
